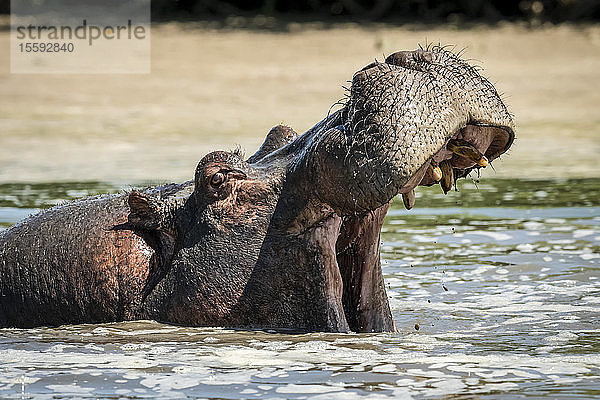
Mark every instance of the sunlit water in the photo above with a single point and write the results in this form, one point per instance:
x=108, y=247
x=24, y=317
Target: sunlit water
x=495, y=291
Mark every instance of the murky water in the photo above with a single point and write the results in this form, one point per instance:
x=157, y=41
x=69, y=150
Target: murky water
x=495, y=290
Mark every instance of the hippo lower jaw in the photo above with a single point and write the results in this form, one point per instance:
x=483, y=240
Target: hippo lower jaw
x=364, y=297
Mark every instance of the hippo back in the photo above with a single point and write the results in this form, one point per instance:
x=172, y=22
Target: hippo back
x=75, y=263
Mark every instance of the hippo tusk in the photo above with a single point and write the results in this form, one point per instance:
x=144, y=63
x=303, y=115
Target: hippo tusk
x=408, y=199
x=447, y=176
x=436, y=173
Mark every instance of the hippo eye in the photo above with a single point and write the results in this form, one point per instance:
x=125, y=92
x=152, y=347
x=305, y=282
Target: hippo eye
x=217, y=179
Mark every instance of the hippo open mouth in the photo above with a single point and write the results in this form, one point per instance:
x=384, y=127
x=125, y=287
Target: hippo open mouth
x=402, y=127
x=357, y=245
x=286, y=239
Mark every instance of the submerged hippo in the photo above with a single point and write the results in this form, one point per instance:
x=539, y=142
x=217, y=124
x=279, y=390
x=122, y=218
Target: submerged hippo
x=287, y=239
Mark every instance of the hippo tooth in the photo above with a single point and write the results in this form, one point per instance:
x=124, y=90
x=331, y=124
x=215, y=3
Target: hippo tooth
x=447, y=176
x=467, y=150
x=436, y=173
x=409, y=199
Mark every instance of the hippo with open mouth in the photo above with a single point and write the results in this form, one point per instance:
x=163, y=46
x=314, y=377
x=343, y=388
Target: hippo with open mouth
x=286, y=239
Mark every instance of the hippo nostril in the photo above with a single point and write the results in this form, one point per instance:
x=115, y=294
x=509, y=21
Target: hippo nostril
x=361, y=77
x=373, y=64
x=217, y=179
x=423, y=56
x=397, y=58
x=410, y=59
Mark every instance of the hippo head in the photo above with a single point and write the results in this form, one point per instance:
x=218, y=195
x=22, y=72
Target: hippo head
x=289, y=238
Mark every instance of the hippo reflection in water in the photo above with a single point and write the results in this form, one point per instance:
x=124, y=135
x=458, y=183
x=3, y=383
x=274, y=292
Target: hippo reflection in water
x=287, y=239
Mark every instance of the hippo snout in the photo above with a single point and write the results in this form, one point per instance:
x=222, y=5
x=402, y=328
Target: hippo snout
x=429, y=116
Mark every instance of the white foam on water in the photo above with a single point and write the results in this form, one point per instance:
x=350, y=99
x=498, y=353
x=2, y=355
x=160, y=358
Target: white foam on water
x=59, y=348
x=491, y=234
x=496, y=387
x=385, y=368
x=447, y=386
x=226, y=378
x=192, y=369
x=533, y=225
x=94, y=347
x=74, y=360
x=589, y=256
x=167, y=383
x=591, y=299
x=525, y=247
x=481, y=269
x=19, y=380
x=72, y=389
x=580, y=233
x=526, y=319
x=423, y=238
x=306, y=388
x=562, y=337
x=135, y=346
x=142, y=332
x=562, y=228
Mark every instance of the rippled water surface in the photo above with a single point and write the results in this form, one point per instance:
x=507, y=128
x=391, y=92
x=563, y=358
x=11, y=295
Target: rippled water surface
x=495, y=291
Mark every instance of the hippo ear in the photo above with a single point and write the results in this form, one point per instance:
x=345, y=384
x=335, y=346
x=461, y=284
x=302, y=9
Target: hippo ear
x=147, y=215
x=144, y=211
x=277, y=137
